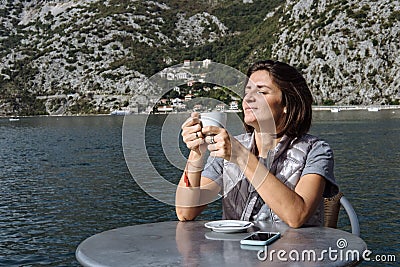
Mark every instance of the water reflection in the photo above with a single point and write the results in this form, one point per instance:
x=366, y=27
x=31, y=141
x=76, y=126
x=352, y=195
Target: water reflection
x=65, y=179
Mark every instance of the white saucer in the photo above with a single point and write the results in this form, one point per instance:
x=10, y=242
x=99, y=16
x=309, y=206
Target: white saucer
x=211, y=235
x=228, y=226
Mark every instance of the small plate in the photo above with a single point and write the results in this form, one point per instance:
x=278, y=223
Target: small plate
x=228, y=226
x=211, y=235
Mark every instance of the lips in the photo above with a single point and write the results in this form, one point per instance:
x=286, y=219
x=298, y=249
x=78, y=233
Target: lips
x=249, y=108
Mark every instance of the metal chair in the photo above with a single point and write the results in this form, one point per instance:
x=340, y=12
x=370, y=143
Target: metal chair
x=332, y=207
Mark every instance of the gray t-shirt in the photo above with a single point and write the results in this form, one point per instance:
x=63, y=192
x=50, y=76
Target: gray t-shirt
x=318, y=159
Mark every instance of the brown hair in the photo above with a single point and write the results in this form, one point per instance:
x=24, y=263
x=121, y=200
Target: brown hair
x=296, y=96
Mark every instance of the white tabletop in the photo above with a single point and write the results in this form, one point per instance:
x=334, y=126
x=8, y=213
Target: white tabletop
x=191, y=244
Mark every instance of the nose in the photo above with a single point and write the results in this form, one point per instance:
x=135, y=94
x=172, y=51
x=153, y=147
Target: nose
x=249, y=96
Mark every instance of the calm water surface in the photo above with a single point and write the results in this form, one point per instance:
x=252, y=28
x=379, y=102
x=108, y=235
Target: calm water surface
x=63, y=179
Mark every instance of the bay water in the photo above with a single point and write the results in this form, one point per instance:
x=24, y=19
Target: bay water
x=63, y=179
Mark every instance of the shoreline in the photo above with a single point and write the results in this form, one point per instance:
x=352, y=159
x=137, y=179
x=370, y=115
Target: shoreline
x=314, y=108
x=351, y=108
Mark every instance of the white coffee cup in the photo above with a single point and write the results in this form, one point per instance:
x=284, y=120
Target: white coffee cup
x=213, y=119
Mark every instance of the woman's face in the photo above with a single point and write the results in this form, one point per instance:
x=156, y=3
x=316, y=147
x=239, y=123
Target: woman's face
x=262, y=102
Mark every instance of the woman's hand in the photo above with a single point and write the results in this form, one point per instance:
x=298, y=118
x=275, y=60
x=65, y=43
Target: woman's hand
x=223, y=145
x=191, y=133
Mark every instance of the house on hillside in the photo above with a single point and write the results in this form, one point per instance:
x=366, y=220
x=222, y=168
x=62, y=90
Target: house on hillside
x=177, y=103
x=234, y=105
x=181, y=75
x=206, y=63
x=165, y=109
x=220, y=107
x=189, y=97
x=186, y=63
x=198, y=107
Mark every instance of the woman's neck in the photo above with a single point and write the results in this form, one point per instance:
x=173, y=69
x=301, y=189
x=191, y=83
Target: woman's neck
x=265, y=142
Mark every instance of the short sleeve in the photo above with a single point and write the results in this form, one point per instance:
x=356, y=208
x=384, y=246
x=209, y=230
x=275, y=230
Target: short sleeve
x=214, y=169
x=320, y=161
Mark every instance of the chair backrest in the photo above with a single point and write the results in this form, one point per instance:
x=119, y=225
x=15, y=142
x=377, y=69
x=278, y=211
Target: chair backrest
x=332, y=208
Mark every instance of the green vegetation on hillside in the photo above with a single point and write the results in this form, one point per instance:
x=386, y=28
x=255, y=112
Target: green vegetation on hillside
x=97, y=48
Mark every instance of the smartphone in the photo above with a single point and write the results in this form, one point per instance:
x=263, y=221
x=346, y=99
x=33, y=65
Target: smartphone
x=260, y=238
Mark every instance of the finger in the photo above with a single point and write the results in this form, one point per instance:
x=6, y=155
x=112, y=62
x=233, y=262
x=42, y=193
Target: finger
x=212, y=147
x=219, y=151
x=216, y=154
x=198, y=134
x=190, y=122
x=195, y=115
x=210, y=139
x=191, y=130
x=211, y=130
x=192, y=133
x=194, y=144
x=193, y=136
x=197, y=120
x=219, y=138
x=193, y=119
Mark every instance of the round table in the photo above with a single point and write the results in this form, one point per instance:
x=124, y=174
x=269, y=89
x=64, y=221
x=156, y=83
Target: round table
x=191, y=244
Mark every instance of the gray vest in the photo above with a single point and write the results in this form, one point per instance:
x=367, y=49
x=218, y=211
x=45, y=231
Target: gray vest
x=242, y=201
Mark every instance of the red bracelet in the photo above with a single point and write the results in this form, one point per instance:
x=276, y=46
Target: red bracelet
x=186, y=179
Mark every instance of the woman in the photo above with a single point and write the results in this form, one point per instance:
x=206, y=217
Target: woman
x=273, y=174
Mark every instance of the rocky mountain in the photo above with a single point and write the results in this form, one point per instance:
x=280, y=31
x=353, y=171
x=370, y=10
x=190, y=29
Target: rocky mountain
x=349, y=50
x=91, y=56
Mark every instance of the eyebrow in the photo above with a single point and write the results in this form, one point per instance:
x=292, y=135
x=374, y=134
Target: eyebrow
x=264, y=86
x=260, y=85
